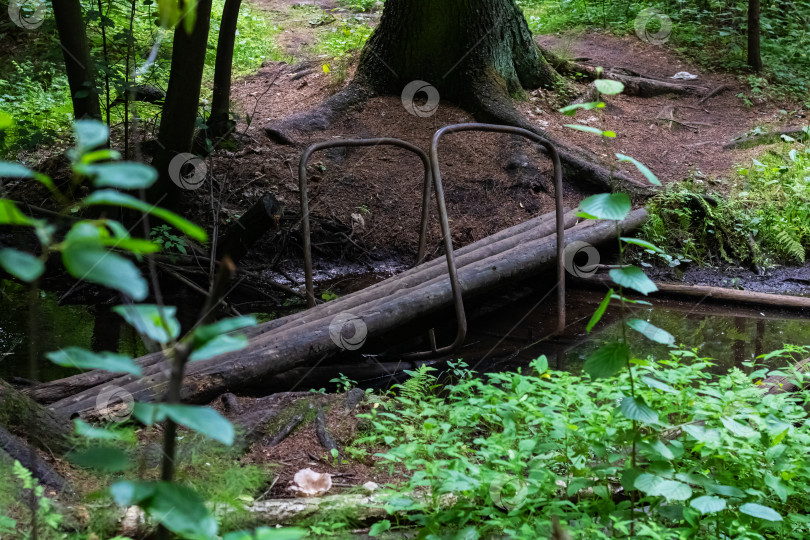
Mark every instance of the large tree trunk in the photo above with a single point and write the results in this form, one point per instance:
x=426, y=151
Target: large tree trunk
x=478, y=53
x=449, y=44
x=182, y=99
x=78, y=63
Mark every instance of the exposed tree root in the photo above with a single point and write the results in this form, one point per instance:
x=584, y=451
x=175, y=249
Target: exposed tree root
x=489, y=103
x=288, y=131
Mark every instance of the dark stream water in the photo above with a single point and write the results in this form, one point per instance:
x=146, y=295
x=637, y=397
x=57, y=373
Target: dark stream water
x=508, y=330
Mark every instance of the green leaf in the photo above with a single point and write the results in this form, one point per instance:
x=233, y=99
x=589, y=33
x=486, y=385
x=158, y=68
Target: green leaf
x=634, y=278
x=760, y=511
x=634, y=408
x=642, y=243
x=21, y=264
x=89, y=134
x=648, y=174
x=88, y=260
x=379, y=527
x=655, y=486
x=104, y=154
x=14, y=170
x=182, y=511
x=658, y=385
x=123, y=175
x=701, y=434
x=613, y=206
x=102, y=458
x=203, y=420
x=651, y=332
x=11, y=215
x=219, y=345
x=708, y=504
x=6, y=120
x=738, y=429
x=726, y=491
x=589, y=129
x=597, y=315
x=607, y=360
x=127, y=493
x=608, y=86
x=268, y=533
x=86, y=430
x=208, y=332
x=116, y=198
x=148, y=413
x=147, y=320
x=570, y=110
x=78, y=357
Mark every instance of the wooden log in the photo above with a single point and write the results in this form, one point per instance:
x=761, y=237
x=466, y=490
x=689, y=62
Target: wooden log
x=295, y=345
x=14, y=448
x=541, y=226
x=22, y=416
x=792, y=382
x=720, y=294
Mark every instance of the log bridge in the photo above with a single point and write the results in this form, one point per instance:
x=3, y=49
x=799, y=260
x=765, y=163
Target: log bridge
x=307, y=338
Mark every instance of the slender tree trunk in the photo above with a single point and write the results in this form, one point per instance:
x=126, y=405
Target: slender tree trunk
x=754, y=56
x=78, y=63
x=449, y=43
x=182, y=99
x=219, y=122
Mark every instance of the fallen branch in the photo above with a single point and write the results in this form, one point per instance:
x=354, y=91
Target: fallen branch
x=720, y=294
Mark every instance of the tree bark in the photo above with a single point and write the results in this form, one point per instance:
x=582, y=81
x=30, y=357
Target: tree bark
x=182, y=99
x=79, y=65
x=219, y=123
x=449, y=43
x=754, y=56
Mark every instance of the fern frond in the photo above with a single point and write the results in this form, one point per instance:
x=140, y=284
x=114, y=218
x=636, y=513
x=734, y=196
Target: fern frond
x=419, y=385
x=790, y=245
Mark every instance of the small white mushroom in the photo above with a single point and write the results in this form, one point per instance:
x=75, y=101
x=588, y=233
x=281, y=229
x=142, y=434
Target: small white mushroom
x=308, y=483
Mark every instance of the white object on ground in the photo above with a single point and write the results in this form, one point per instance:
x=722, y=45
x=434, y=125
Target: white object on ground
x=685, y=75
x=308, y=483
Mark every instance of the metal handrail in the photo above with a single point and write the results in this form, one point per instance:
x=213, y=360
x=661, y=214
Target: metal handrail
x=433, y=176
x=302, y=185
x=558, y=191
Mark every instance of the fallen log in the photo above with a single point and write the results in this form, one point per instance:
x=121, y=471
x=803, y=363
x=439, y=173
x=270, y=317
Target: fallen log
x=794, y=381
x=284, y=347
x=758, y=139
x=22, y=416
x=538, y=227
x=719, y=294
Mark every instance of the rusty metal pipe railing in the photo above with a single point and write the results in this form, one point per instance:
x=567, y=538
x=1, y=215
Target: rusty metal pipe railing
x=448, y=242
x=305, y=223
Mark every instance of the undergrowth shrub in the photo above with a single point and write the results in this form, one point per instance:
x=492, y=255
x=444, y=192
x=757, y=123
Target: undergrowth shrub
x=764, y=218
x=715, y=457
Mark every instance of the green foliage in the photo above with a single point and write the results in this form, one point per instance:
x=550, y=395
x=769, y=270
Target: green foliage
x=419, y=384
x=769, y=203
x=505, y=454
